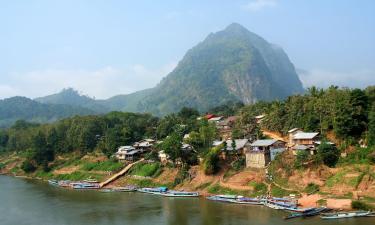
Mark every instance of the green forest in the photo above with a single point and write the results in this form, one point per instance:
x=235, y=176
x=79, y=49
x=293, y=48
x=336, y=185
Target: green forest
x=349, y=114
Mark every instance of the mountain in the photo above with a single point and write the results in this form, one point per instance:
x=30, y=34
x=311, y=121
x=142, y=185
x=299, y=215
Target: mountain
x=233, y=64
x=22, y=108
x=69, y=96
x=230, y=65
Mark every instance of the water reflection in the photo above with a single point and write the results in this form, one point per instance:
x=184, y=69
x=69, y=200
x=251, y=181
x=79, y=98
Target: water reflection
x=36, y=203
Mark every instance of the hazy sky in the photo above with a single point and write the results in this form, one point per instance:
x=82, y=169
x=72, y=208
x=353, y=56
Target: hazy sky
x=103, y=48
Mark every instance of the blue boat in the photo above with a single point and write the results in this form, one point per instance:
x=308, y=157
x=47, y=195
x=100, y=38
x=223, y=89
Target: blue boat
x=85, y=186
x=155, y=191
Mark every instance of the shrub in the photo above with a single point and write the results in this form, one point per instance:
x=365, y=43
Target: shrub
x=239, y=164
x=182, y=174
x=302, y=156
x=311, y=188
x=361, y=205
x=329, y=154
x=211, y=161
x=28, y=167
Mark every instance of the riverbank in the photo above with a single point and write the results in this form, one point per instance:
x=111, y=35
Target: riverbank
x=331, y=191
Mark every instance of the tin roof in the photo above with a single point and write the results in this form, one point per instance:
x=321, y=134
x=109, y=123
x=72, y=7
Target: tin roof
x=304, y=135
x=264, y=142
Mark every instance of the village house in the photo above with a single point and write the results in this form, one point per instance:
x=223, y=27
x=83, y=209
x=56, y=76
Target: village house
x=242, y=145
x=262, y=152
x=128, y=153
x=144, y=145
x=225, y=126
x=303, y=141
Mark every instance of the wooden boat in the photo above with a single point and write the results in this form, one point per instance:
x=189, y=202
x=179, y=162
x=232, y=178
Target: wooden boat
x=180, y=194
x=53, y=182
x=65, y=183
x=91, y=180
x=224, y=198
x=340, y=215
x=280, y=205
x=86, y=186
x=250, y=201
x=308, y=213
x=125, y=189
x=157, y=191
x=299, y=210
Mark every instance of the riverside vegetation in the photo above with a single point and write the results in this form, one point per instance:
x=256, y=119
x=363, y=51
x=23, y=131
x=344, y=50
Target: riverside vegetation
x=81, y=147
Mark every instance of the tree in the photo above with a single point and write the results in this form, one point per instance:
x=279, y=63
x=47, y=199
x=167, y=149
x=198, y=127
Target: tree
x=302, y=157
x=371, y=126
x=208, y=133
x=328, y=153
x=211, y=161
x=172, y=146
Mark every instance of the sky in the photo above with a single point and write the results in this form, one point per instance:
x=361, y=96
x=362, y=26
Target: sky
x=105, y=48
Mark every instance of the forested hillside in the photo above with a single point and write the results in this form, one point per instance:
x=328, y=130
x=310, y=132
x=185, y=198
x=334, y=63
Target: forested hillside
x=21, y=108
x=349, y=113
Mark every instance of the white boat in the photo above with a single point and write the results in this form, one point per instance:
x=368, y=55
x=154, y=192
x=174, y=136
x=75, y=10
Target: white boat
x=340, y=215
x=155, y=191
x=224, y=198
x=180, y=194
x=250, y=201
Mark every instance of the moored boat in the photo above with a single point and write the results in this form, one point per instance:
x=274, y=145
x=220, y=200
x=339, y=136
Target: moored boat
x=65, y=183
x=180, y=194
x=250, y=201
x=224, y=198
x=157, y=191
x=125, y=189
x=91, y=180
x=280, y=205
x=85, y=186
x=53, y=182
x=340, y=215
x=308, y=213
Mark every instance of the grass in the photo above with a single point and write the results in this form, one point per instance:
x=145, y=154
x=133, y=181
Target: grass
x=148, y=183
x=102, y=166
x=203, y=186
x=259, y=188
x=335, y=179
x=322, y=202
x=361, y=205
x=2, y=165
x=42, y=174
x=77, y=175
x=146, y=169
x=311, y=188
x=217, y=189
x=279, y=192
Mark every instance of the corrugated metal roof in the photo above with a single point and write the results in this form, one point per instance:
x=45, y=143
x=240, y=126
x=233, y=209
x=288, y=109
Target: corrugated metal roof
x=240, y=143
x=264, y=142
x=292, y=130
x=304, y=135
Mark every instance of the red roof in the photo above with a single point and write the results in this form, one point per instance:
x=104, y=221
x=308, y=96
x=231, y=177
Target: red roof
x=209, y=116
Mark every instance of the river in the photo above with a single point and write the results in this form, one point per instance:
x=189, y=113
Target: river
x=31, y=202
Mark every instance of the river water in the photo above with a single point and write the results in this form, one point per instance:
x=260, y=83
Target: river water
x=33, y=202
